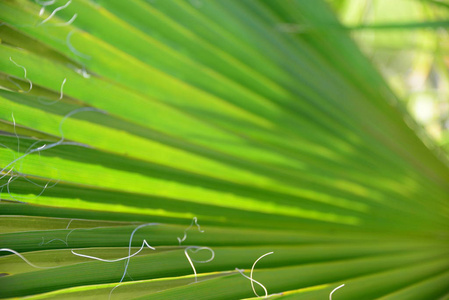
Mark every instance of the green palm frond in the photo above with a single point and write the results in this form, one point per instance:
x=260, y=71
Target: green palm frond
x=123, y=121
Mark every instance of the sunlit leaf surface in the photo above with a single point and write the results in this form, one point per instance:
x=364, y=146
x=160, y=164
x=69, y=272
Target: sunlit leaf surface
x=222, y=129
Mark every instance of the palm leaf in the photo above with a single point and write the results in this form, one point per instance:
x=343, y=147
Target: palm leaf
x=123, y=121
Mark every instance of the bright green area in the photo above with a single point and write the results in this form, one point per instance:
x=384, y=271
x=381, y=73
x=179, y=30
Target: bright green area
x=407, y=40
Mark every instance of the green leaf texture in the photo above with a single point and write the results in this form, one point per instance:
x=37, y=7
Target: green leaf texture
x=124, y=122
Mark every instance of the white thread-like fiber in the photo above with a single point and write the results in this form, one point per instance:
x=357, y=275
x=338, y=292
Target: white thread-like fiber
x=23, y=258
x=10, y=166
x=76, y=52
x=251, y=276
x=61, y=94
x=197, y=249
x=330, y=295
x=145, y=243
x=55, y=11
x=194, y=222
x=24, y=76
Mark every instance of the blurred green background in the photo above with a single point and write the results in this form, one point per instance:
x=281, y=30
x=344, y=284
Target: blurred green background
x=408, y=42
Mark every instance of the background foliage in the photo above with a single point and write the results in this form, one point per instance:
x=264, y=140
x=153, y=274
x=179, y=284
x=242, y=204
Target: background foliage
x=408, y=41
